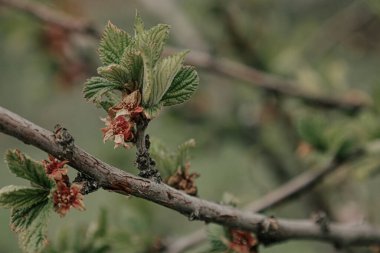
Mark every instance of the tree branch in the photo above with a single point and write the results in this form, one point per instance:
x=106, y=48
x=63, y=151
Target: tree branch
x=268, y=230
x=299, y=185
x=254, y=77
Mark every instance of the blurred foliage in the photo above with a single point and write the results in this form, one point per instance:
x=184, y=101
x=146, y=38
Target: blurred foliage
x=248, y=141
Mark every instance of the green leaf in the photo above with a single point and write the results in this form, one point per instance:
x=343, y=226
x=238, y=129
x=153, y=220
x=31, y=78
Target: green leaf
x=164, y=74
x=32, y=235
x=114, y=73
x=22, y=166
x=165, y=160
x=96, y=87
x=183, y=152
x=21, y=196
x=150, y=44
x=182, y=88
x=112, y=45
x=153, y=112
x=217, y=236
x=133, y=62
x=312, y=130
x=139, y=24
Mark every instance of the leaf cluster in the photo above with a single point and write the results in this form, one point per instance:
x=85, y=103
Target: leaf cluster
x=133, y=63
x=30, y=205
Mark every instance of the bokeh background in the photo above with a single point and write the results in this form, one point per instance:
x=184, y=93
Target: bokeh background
x=248, y=140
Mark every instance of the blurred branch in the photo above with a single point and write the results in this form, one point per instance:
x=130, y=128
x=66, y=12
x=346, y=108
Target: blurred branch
x=223, y=66
x=268, y=229
x=299, y=185
x=51, y=16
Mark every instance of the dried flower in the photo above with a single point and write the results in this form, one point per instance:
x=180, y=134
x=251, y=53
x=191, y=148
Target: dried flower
x=242, y=241
x=65, y=197
x=184, y=180
x=119, y=129
x=54, y=168
x=129, y=106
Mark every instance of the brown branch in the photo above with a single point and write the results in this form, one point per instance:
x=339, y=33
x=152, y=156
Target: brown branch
x=301, y=184
x=51, y=16
x=223, y=66
x=268, y=230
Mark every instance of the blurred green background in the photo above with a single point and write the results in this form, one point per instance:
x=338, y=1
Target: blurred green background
x=248, y=141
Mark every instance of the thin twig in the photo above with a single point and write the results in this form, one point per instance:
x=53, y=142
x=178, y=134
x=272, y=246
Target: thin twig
x=223, y=66
x=114, y=179
x=301, y=184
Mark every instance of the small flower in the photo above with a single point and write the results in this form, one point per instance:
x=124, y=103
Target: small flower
x=66, y=197
x=119, y=129
x=54, y=168
x=129, y=106
x=242, y=241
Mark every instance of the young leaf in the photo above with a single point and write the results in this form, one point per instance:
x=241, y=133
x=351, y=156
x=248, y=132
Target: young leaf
x=96, y=87
x=114, y=73
x=22, y=166
x=217, y=238
x=153, y=112
x=133, y=62
x=150, y=44
x=33, y=237
x=112, y=45
x=139, y=24
x=183, y=152
x=182, y=88
x=164, y=74
x=21, y=196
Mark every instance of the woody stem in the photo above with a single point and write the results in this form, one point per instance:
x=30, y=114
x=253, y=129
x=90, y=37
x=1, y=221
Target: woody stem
x=144, y=162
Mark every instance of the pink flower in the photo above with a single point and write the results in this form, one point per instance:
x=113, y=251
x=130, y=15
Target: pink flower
x=54, y=168
x=119, y=129
x=242, y=241
x=66, y=197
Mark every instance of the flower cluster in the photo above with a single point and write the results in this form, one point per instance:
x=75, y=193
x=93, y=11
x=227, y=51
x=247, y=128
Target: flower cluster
x=242, y=241
x=120, y=122
x=66, y=195
x=54, y=168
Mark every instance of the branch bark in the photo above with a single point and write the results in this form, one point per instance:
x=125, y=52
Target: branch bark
x=226, y=67
x=268, y=230
x=299, y=185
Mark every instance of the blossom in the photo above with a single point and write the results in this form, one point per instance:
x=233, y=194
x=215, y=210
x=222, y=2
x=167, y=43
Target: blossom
x=54, y=168
x=242, y=241
x=65, y=197
x=119, y=129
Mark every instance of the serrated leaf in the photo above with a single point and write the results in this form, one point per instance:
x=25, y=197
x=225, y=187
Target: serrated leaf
x=133, y=62
x=150, y=44
x=165, y=160
x=114, y=73
x=164, y=73
x=216, y=236
x=33, y=238
x=96, y=87
x=112, y=45
x=183, y=152
x=153, y=112
x=182, y=88
x=21, y=196
x=24, y=167
x=139, y=24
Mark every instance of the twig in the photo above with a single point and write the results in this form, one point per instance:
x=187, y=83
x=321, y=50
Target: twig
x=301, y=184
x=223, y=66
x=49, y=15
x=113, y=179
